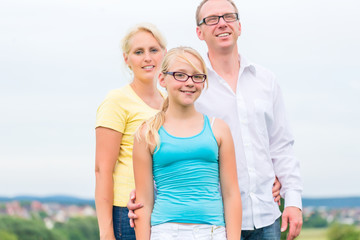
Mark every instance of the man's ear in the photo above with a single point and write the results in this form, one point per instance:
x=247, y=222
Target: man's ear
x=199, y=33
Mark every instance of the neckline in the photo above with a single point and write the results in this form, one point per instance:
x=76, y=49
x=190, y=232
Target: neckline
x=142, y=101
x=198, y=134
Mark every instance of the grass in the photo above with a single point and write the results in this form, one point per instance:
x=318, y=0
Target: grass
x=313, y=234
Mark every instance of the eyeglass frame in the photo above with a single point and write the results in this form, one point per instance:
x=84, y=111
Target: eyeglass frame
x=188, y=76
x=203, y=20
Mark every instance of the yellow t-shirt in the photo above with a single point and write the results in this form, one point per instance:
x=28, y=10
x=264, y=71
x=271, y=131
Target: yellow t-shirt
x=123, y=111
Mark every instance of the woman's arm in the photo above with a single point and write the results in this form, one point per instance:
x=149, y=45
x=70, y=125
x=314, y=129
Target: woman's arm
x=142, y=160
x=107, y=151
x=228, y=180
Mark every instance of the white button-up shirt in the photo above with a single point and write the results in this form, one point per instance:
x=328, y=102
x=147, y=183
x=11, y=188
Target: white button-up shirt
x=262, y=138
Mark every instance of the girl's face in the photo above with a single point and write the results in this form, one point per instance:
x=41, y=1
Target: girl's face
x=144, y=57
x=183, y=93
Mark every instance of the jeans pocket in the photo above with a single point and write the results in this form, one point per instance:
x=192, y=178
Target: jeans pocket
x=219, y=233
x=117, y=221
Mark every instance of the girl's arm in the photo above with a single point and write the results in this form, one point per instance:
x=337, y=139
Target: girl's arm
x=142, y=160
x=107, y=151
x=228, y=180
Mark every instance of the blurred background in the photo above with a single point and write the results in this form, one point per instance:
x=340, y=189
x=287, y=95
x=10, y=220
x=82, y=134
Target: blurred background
x=58, y=60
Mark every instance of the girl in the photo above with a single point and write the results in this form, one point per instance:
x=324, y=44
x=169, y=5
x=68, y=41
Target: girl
x=117, y=119
x=188, y=155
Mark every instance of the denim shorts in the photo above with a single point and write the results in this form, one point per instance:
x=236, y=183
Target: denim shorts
x=122, y=229
x=176, y=231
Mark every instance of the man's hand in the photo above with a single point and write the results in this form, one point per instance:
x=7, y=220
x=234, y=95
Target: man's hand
x=293, y=217
x=276, y=191
x=132, y=206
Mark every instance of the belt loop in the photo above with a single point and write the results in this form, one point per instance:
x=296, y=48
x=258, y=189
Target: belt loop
x=177, y=229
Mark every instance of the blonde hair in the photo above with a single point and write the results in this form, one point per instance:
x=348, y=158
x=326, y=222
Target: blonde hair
x=197, y=15
x=152, y=126
x=147, y=27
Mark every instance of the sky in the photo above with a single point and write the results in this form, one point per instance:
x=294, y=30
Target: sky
x=59, y=58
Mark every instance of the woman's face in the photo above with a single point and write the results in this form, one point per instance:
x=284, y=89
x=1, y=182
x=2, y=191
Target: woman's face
x=144, y=57
x=182, y=93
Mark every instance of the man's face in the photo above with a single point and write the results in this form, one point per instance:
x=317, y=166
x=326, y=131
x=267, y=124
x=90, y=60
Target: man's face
x=222, y=35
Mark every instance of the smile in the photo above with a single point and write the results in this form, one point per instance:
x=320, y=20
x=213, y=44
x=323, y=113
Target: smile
x=223, y=35
x=149, y=67
x=187, y=91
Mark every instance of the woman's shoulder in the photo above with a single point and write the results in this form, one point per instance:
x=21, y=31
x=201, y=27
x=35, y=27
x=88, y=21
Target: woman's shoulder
x=119, y=93
x=117, y=100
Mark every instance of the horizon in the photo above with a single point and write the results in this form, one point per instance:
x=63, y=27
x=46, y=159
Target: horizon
x=59, y=59
x=93, y=198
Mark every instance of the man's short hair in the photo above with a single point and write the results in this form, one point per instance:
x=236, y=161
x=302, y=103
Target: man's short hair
x=197, y=17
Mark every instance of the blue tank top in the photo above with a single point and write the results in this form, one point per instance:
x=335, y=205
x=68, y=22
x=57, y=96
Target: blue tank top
x=186, y=174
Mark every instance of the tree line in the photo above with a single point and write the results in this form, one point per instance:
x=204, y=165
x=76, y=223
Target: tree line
x=81, y=228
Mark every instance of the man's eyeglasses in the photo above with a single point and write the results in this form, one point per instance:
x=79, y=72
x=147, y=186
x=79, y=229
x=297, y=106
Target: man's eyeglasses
x=183, y=77
x=213, y=20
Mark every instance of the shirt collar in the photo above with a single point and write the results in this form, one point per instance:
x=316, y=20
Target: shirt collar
x=244, y=63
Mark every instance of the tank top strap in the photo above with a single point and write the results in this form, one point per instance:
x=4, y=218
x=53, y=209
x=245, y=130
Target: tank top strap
x=209, y=127
x=207, y=121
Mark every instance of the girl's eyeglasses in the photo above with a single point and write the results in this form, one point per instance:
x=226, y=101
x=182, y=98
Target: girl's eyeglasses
x=183, y=77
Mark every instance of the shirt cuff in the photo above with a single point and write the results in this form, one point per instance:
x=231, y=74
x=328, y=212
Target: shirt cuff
x=293, y=199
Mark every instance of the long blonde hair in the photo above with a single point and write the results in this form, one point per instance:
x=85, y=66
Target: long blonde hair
x=152, y=126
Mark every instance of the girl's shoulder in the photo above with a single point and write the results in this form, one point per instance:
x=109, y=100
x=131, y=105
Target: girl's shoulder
x=220, y=128
x=217, y=123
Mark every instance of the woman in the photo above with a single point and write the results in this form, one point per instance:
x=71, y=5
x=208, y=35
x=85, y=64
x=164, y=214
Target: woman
x=188, y=157
x=117, y=119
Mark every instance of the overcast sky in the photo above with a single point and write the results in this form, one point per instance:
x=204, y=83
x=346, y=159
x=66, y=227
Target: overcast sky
x=58, y=60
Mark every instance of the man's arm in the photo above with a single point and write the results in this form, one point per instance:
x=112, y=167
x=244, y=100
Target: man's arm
x=286, y=166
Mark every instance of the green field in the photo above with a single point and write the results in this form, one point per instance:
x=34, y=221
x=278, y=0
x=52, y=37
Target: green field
x=313, y=234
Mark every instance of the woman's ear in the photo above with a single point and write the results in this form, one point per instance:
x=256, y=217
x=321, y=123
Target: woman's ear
x=125, y=56
x=126, y=60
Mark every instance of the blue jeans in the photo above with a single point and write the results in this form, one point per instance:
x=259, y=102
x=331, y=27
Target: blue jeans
x=122, y=229
x=271, y=232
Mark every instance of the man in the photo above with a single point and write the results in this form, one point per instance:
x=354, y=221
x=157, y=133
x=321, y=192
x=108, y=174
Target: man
x=247, y=97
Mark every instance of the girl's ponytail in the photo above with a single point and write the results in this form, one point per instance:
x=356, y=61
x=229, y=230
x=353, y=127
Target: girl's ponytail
x=152, y=126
